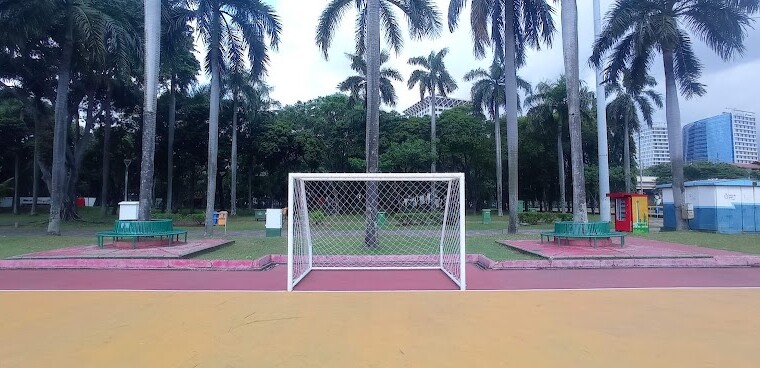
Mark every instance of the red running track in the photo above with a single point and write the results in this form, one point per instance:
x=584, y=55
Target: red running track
x=477, y=279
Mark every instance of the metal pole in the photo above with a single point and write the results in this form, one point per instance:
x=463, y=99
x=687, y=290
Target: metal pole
x=601, y=130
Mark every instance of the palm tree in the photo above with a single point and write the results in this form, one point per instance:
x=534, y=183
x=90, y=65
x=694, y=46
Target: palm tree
x=488, y=93
x=431, y=78
x=624, y=109
x=532, y=26
x=549, y=100
x=423, y=20
x=152, y=62
x=71, y=25
x=246, y=90
x=181, y=66
x=235, y=26
x=569, y=14
x=356, y=85
x=636, y=30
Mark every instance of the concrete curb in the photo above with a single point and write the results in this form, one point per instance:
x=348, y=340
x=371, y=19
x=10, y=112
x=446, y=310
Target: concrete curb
x=274, y=259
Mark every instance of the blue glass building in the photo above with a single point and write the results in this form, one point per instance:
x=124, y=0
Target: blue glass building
x=709, y=140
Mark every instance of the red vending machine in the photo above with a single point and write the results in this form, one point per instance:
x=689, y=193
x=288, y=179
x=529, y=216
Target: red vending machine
x=631, y=212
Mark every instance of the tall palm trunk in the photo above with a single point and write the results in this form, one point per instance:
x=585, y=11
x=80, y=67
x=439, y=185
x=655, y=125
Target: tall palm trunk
x=373, y=119
x=627, y=155
x=152, y=58
x=499, y=172
x=170, y=148
x=250, y=189
x=213, y=121
x=15, y=182
x=561, y=166
x=673, y=117
x=59, y=131
x=510, y=112
x=106, y=152
x=234, y=158
x=570, y=50
x=433, y=134
x=36, y=164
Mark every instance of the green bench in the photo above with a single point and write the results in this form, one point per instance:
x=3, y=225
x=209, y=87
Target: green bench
x=577, y=230
x=135, y=230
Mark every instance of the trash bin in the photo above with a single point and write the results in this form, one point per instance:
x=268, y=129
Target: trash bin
x=487, y=216
x=260, y=214
x=221, y=218
x=380, y=219
x=216, y=218
x=520, y=206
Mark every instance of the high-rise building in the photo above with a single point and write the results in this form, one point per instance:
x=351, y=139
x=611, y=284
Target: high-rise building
x=422, y=108
x=652, y=144
x=729, y=137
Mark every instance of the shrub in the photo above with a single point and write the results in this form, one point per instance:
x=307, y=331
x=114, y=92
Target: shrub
x=535, y=218
x=316, y=217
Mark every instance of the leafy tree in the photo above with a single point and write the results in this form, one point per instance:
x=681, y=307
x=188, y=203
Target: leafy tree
x=423, y=21
x=431, y=78
x=229, y=28
x=549, y=105
x=466, y=147
x=624, y=110
x=356, y=85
x=487, y=94
x=636, y=30
x=702, y=170
x=82, y=25
x=179, y=68
x=531, y=25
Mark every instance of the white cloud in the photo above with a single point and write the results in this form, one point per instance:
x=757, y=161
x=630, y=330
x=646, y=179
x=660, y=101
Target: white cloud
x=298, y=71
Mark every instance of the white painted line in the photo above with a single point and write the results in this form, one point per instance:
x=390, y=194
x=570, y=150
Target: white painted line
x=454, y=291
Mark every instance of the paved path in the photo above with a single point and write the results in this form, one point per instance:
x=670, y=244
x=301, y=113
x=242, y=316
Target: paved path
x=477, y=279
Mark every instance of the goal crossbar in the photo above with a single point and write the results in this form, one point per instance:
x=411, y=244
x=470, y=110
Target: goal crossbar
x=377, y=221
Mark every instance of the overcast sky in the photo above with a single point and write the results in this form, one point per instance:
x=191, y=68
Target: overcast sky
x=298, y=71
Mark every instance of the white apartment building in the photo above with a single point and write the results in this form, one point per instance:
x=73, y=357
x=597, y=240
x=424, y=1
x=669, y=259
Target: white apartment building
x=422, y=108
x=744, y=132
x=652, y=144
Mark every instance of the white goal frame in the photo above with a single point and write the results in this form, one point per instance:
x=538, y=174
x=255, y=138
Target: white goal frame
x=454, y=261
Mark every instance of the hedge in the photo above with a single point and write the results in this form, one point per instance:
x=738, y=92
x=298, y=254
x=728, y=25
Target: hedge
x=535, y=218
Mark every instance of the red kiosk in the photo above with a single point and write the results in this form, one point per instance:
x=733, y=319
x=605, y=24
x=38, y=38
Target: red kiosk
x=631, y=212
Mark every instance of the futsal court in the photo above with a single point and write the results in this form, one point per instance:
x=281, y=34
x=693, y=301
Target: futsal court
x=661, y=317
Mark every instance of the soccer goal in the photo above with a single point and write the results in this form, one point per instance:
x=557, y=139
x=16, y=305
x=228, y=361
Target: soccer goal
x=376, y=221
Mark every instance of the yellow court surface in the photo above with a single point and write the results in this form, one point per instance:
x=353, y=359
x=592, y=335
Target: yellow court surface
x=594, y=328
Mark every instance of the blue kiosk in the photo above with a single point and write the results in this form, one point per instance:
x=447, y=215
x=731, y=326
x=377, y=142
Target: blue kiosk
x=727, y=206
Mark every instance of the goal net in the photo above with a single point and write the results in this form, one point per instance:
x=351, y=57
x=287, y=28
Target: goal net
x=376, y=221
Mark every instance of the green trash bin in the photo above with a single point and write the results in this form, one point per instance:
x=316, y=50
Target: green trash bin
x=380, y=219
x=520, y=206
x=487, y=216
x=260, y=214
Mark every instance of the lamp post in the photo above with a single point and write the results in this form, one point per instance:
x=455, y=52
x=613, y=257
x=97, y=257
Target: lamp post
x=127, y=161
x=601, y=127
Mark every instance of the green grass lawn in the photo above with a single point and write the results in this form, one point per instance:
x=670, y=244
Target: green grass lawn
x=744, y=243
x=17, y=245
x=243, y=248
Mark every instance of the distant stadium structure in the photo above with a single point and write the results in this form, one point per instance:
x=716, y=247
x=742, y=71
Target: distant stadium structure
x=422, y=108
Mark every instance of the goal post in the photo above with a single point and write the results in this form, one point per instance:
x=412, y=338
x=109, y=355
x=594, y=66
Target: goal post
x=376, y=221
